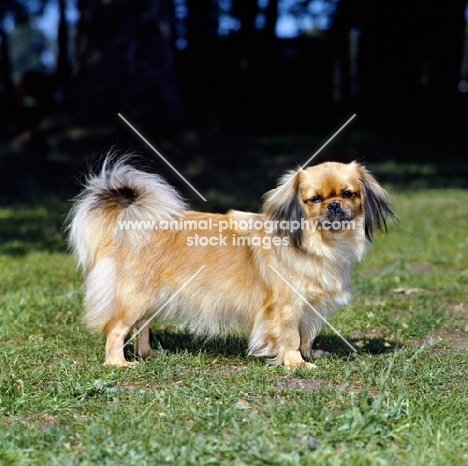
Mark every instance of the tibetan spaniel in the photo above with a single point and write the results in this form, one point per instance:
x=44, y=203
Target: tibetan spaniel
x=275, y=276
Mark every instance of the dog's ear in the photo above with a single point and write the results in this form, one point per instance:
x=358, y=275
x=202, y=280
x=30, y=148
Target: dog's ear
x=284, y=206
x=375, y=201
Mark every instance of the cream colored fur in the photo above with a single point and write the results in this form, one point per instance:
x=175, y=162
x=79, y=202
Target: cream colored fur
x=130, y=275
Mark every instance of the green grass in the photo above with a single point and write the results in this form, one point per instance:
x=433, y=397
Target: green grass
x=402, y=400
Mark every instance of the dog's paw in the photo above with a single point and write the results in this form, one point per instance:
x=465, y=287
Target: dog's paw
x=294, y=359
x=147, y=353
x=317, y=354
x=120, y=364
x=307, y=365
x=303, y=365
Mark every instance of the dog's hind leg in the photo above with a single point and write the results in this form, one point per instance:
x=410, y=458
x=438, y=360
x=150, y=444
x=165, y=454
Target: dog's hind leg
x=116, y=330
x=104, y=311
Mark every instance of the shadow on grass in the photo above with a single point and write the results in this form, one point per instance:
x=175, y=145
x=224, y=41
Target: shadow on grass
x=235, y=347
x=335, y=345
x=229, y=346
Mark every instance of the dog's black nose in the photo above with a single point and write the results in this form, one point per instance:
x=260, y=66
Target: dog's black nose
x=334, y=206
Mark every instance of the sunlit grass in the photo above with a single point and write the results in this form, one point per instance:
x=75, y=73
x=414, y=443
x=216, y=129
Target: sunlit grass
x=401, y=400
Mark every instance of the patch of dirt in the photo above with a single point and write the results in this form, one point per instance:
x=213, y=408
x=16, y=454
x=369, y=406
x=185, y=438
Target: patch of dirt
x=360, y=388
x=459, y=308
x=456, y=338
x=294, y=383
x=136, y=386
x=453, y=336
x=226, y=369
x=420, y=267
x=245, y=405
x=46, y=421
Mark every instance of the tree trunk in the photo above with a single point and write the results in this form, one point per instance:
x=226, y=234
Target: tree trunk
x=124, y=63
x=6, y=81
x=271, y=17
x=7, y=88
x=63, y=64
x=448, y=24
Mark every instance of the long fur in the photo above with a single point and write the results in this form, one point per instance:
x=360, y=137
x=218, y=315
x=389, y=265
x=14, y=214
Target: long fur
x=118, y=192
x=376, y=203
x=268, y=283
x=291, y=207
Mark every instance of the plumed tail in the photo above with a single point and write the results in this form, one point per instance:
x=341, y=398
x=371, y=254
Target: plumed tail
x=120, y=204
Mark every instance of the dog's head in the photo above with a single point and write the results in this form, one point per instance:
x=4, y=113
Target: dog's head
x=329, y=196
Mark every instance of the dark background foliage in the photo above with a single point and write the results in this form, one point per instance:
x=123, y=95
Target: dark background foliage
x=232, y=91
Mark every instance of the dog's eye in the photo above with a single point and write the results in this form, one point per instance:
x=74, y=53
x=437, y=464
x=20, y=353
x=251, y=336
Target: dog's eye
x=347, y=195
x=315, y=199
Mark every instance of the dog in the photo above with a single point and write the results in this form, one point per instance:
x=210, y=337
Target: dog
x=276, y=275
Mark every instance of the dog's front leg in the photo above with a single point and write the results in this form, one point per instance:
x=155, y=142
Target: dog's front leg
x=294, y=343
x=143, y=345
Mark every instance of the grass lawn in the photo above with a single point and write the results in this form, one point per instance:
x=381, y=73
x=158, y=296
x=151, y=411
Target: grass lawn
x=403, y=399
